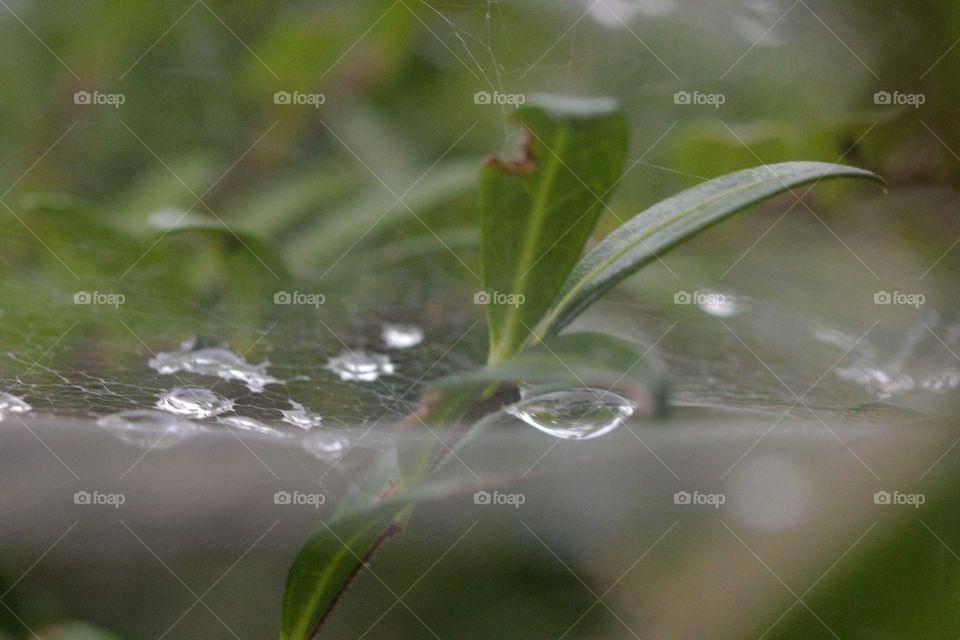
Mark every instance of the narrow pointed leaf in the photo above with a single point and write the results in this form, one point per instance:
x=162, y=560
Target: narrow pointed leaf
x=328, y=562
x=665, y=225
x=538, y=211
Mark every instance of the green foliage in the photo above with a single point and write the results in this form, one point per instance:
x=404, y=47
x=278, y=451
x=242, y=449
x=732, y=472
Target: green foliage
x=537, y=214
x=663, y=226
x=539, y=210
x=327, y=563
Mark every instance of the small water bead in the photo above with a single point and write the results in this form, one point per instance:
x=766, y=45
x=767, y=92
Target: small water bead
x=577, y=414
x=10, y=403
x=194, y=357
x=300, y=416
x=401, y=336
x=326, y=445
x=361, y=365
x=250, y=424
x=194, y=402
x=148, y=429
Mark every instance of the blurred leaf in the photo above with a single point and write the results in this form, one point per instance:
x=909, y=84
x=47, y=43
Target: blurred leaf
x=328, y=562
x=377, y=214
x=538, y=211
x=160, y=186
x=668, y=223
x=460, y=240
x=277, y=208
x=75, y=631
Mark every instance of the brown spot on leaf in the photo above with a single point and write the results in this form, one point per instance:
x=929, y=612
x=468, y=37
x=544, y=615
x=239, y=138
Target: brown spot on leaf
x=524, y=165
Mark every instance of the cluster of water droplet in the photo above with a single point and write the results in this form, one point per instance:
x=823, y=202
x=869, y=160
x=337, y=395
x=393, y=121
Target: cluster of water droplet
x=180, y=411
x=223, y=363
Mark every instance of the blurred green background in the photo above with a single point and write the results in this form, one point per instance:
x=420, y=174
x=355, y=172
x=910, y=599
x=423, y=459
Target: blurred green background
x=188, y=183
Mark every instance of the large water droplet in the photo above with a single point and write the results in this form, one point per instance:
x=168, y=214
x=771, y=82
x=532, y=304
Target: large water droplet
x=401, y=336
x=326, y=445
x=300, y=416
x=194, y=402
x=578, y=414
x=10, y=403
x=148, y=429
x=360, y=365
x=250, y=424
x=195, y=357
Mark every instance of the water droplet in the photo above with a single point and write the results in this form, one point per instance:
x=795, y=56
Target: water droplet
x=326, y=445
x=10, y=403
x=194, y=402
x=883, y=384
x=401, y=336
x=722, y=305
x=148, y=429
x=250, y=424
x=578, y=414
x=300, y=416
x=360, y=365
x=941, y=381
x=194, y=356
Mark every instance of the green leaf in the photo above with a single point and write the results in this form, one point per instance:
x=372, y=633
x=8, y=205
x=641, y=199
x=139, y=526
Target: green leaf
x=538, y=211
x=328, y=562
x=668, y=223
x=580, y=360
x=75, y=631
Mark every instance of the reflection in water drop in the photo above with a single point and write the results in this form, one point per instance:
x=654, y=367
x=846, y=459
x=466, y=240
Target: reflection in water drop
x=326, y=445
x=360, y=365
x=300, y=416
x=213, y=361
x=148, y=429
x=249, y=424
x=401, y=336
x=194, y=402
x=578, y=414
x=722, y=305
x=10, y=403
